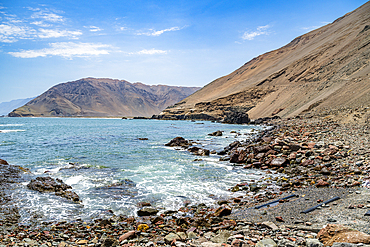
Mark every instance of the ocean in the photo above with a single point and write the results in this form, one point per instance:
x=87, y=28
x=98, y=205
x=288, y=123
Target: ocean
x=94, y=154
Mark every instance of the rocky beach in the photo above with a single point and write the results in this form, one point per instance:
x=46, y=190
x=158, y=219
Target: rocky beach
x=320, y=162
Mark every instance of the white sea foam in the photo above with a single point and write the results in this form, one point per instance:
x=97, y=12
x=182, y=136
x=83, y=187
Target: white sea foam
x=11, y=125
x=7, y=131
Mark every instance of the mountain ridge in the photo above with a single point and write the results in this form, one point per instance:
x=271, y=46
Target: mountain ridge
x=103, y=97
x=308, y=74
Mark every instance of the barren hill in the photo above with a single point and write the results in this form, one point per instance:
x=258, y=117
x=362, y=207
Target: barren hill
x=103, y=97
x=325, y=68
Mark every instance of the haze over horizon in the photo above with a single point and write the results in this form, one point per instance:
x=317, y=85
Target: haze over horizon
x=182, y=43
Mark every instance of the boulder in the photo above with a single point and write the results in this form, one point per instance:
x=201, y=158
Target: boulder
x=48, y=184
x=178, y=142
x=171, y=237
x=267, y=242
x=147, y=212
x=235, y=117
x=278, y=162
x=216, y=133
x=221, y=237
x=199, y=151
x=127, y=235
x=338, y=233
x=223, y=211
x=312, y=242
x=3, y=162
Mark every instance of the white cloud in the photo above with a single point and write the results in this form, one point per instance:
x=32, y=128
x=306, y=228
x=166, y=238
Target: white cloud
x=94, y=28
x=10, y=33
x=148, y=52
x=40, y=23
x=50, y=33
x=47, y=16
x=261, y=30
x=66, y=50
x=152, y=32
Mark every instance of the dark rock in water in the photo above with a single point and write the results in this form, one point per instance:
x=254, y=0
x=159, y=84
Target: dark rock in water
x=216, y=133
x=236, y=118
x=199, y=151
x=178, y=142
x=239, y=156
x=147, y=212
x=3, y=162
x=48, y=184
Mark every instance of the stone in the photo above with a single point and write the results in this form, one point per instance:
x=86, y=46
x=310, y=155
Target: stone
x=278, y=162
x=178, y=142
x=223, y=211
x=313, y=242
x=109, y=242
x=127, y=235
x=344, y=245
x=210, y=244
x=3, y=162
x=216, y=133
x=338, y=233
x=221, y=237
x=171, y=237
x=48, y=184
x=279, y=219
x=270, y=225
x=286, y=243
x=267, y=242
x=321, y=183
x=147, y=212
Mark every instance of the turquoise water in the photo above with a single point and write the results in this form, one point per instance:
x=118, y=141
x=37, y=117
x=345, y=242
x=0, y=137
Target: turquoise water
x=92, y=154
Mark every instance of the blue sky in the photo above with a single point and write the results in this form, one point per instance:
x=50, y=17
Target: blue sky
x=182, y=43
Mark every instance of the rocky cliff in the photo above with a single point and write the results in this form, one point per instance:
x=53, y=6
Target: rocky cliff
x=324, y=69
x=103, y=97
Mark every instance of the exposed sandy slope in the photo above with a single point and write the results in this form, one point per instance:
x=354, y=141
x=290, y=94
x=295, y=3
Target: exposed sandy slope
x=103, y=97
x=327, y=67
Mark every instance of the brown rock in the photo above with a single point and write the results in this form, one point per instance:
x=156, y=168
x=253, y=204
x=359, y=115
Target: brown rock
x=338, y=233
x=279, y=219
x=277, y=162
x=322, y=183
x=223, y=211
x=127, y=235
x=3, y=162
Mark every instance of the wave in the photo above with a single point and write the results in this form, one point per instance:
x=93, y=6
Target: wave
x=7, y=131
x=9, y=125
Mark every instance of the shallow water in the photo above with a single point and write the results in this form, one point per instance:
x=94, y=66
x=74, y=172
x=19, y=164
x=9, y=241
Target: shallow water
x=91, y=155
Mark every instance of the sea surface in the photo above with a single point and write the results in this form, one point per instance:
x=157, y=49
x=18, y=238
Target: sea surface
x=112, y=167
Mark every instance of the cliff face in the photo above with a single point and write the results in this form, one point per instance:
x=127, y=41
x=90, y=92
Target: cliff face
x=103, y=97
x=325, y=68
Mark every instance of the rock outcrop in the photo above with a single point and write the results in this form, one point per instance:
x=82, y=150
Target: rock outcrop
x=103, y=98
x=327, y=68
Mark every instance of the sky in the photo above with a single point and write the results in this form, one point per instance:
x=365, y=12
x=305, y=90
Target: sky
x=178, y=43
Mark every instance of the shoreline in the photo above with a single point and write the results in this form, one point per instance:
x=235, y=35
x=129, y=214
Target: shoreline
x=349, y=210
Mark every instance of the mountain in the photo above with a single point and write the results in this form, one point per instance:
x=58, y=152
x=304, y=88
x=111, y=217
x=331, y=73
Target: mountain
x=6, y=107
x=103, y=98
x=327, y=68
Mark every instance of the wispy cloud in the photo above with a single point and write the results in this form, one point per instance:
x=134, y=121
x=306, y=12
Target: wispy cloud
x=50, y=33
x=94, y=28
x=10, y=33
x=40, y=24
x=261, y=30
x=46, y=15
x=148, y=52
x=66, y=50
x=153, y=32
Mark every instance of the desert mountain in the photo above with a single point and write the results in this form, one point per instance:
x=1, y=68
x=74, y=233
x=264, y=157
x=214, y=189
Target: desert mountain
x=324, y=69
x=6, y=107
x=103, y=97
